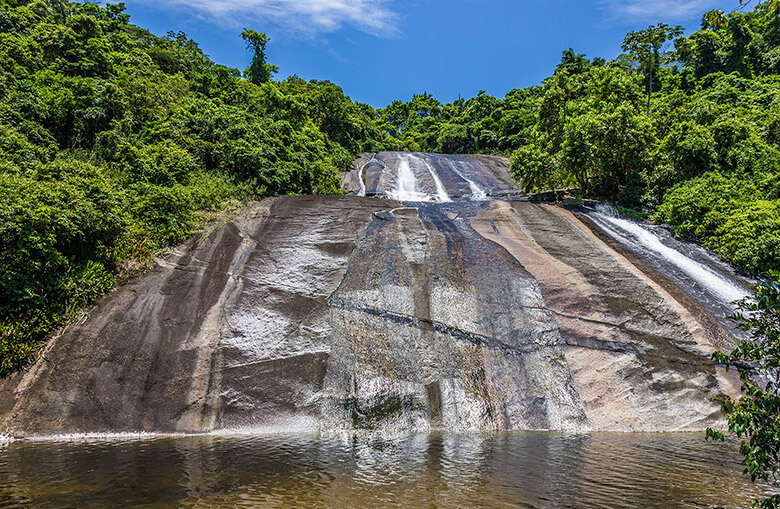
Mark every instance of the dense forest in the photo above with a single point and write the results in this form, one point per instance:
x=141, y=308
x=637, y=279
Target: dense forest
x=685, y=129
x=117, y=143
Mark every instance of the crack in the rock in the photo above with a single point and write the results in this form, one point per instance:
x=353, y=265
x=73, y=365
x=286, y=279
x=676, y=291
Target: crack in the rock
x=448, y=330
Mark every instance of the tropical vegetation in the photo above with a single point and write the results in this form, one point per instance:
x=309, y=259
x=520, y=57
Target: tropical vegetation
x=755, y=416
x=115, y=143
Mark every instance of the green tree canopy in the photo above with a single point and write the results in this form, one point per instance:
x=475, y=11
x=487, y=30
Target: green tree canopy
x=644, y=46
x=259, y=71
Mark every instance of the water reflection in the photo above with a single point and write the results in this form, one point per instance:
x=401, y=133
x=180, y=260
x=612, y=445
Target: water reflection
x=378, y=470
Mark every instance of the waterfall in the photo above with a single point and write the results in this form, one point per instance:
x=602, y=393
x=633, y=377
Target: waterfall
x=631, y=233
x=362, y=191
x=406, y=184
x=442, y=195
x=477, y=193
x=362, y=175
x=407, y=189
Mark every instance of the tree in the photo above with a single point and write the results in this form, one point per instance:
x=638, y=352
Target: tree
x=645, y=47
x=534, y=167
x=561, y=89
x=575, y=63
x=700, y=52
x=718, y=18
x=576, y=155
x=755, y=417
x=259, y=71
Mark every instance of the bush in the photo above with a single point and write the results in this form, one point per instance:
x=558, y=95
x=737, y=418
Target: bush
x=699, y=207
x=750, y=236
x=727, y=215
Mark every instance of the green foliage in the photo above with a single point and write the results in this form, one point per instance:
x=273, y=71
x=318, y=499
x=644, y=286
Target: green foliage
x=755, y=417
x=728, y=215
x=115, y=143
x=644, y=46
x=259, y=71
x=482, y=124
x=699, y=207
x=536, y=168
x=591, y=134
x=750, y=236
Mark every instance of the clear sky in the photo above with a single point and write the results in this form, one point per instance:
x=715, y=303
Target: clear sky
x=380, y=50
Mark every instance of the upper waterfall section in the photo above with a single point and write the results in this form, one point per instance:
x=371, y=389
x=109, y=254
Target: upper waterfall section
x=439, y=178
x=424, y=178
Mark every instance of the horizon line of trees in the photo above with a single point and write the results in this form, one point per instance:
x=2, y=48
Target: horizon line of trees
x=115, y=143
x=683, y=129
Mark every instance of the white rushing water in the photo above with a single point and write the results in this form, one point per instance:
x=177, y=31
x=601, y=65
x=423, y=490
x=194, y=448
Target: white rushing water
x=362, y=191
x=441, y=193
x=406, y=184
x=477, y=193
x=407, y=187
x=361, y=175
x=631, y=233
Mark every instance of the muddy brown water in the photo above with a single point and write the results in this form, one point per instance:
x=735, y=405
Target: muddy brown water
x=529, y=469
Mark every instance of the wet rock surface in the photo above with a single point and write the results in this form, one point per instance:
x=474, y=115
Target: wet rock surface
x=445, y=308
x=415, y=176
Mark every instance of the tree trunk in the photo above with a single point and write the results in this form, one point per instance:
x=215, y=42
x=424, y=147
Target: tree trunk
x=649, y=91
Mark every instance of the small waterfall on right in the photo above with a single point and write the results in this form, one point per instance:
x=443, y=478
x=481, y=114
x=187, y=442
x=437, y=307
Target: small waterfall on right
x=477, y=193
x=441, y=192
x=714, y=279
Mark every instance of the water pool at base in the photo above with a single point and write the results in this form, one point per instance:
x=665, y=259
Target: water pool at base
x=377, y=470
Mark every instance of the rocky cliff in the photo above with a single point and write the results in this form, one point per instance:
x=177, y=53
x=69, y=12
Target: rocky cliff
x=433, y=300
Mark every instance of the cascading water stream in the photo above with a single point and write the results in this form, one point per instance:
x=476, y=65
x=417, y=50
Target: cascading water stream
x=361, y=176
x=477, y=193
x=442, y=195
x=630, y=233
x=407, y=186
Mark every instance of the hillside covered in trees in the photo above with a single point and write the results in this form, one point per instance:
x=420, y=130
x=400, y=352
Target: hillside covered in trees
x=115, y=143
x=688, y=131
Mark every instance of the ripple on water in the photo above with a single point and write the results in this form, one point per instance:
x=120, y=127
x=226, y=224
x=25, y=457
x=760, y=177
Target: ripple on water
x=378, y=470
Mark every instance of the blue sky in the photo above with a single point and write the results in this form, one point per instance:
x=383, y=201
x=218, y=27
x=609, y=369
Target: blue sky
x=380, y=50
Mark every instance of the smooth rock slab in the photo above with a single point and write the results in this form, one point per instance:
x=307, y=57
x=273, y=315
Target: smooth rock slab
x=325, y=313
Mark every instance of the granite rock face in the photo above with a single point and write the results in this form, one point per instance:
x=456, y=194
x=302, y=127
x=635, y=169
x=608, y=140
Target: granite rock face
x=454, y=310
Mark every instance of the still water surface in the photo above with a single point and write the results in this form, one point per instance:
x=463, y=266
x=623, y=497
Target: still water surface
x=369, y=470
